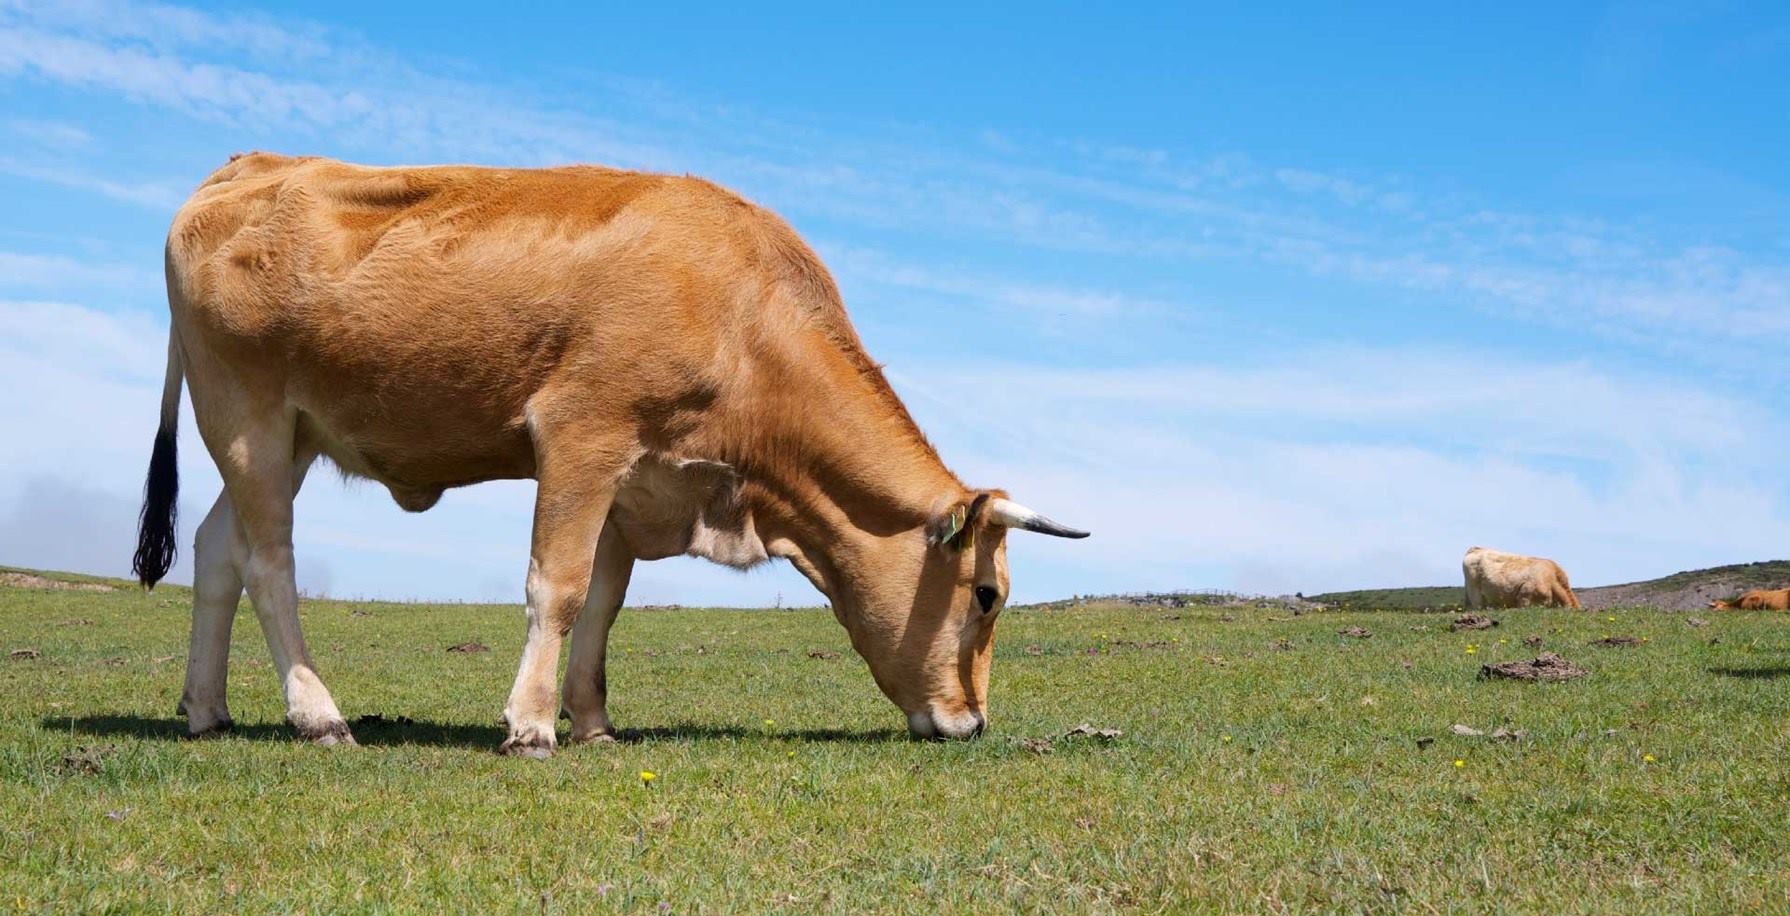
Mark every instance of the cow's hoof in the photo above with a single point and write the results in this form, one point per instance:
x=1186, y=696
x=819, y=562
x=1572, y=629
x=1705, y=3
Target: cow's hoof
x=216, y=729
x=602, y=737
x=330, y=734
x=521, y=747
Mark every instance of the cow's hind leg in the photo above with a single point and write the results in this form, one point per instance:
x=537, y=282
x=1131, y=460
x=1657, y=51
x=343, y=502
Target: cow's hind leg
x=218, y=556
x=586, y=692
x=263, y=469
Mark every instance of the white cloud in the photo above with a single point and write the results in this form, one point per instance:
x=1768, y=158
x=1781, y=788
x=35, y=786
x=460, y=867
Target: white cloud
x=156, y=195
x=20, y=271
x=53, y=134
x=1379, y=468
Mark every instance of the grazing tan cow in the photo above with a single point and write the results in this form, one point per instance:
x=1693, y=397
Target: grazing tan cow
x=671, y=363
x=1499, y=579
x=1758, y=599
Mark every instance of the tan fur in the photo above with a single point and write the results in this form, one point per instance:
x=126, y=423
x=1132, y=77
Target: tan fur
x=659, y=353
x=1495, y=579
x=1758, y=599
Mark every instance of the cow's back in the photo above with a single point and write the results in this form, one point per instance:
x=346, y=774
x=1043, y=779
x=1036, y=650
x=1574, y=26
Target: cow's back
x=398, y=306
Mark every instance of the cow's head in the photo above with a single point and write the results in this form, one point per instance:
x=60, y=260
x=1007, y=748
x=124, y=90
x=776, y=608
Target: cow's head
x=1720, y=604
x=923, y=613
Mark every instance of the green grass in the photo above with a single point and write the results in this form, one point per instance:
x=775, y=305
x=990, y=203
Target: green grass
x=1321, y=799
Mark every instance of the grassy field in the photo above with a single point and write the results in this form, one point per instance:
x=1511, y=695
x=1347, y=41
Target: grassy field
x=1267, y=763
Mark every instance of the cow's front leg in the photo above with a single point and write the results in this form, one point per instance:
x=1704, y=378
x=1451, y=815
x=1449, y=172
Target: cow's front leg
x=587, y=686
x=573, y=499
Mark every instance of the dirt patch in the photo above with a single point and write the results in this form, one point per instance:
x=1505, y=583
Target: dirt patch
x=1085, y=730
x=86, y=760
x=469, y=648
x=1545, y=667
x=1034, y=650
x=1282, y=644
x=1697, y=622
x=1616, y=642
x=24, y=655
x=825, y=655
x=1040, y=746
x=27, y=580
x=1533, y=642
x=1497, y=734
x=1472, y=622
x=1152, y=644
x=1354, y=632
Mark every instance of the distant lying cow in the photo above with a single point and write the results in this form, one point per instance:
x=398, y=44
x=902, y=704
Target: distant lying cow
x=1499, y=579
x=1758, y=599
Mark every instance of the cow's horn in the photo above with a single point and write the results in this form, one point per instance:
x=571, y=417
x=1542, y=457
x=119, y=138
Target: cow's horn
x=1013, y=515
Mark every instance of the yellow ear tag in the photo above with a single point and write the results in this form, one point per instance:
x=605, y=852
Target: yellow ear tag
x=953, y=525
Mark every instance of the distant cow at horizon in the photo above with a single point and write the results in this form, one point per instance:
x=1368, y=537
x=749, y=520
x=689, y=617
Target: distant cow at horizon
x=1497, y=579
x=1756, y=599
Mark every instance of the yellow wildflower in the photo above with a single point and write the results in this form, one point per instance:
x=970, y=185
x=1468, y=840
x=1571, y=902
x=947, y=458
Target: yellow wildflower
x=1459, y=763
x=647, y=776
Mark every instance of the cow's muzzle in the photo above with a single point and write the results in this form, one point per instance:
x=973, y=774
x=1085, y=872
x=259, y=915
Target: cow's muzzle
x=939, y=724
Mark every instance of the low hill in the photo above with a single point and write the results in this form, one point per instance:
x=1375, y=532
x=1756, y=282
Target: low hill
x=1418, y=598
x=1691, y=590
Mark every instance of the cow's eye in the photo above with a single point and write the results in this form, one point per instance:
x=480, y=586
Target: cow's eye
x=987, y=596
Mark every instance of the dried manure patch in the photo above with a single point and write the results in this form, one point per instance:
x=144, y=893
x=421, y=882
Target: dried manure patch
x=1544, y=667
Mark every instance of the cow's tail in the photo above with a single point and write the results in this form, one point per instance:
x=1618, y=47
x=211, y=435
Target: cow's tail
x=1572, y=598
x=161, y=489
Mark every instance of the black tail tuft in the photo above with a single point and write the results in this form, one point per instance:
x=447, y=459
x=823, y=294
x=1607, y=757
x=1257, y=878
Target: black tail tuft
x=155, y=527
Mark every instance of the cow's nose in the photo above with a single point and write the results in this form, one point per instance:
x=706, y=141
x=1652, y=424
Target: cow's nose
x=981, y=723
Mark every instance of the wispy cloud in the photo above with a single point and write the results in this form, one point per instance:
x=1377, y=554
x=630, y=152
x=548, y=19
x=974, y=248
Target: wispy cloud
x=54, y=134
x=19, y=271
x=156, y=195
x=1374, y=465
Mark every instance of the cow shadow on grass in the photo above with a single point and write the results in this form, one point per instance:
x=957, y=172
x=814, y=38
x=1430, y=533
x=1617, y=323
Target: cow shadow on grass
x=371, y=732
x=379, y=731
x=1771, y=672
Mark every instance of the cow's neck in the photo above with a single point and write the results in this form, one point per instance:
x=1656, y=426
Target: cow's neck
x=840, y=480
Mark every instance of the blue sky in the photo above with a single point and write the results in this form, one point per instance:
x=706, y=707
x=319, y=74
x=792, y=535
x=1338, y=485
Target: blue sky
x=1270, y=301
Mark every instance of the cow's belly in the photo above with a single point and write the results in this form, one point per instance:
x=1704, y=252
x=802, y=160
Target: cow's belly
x=417, y=457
